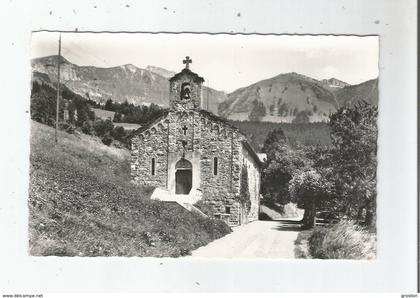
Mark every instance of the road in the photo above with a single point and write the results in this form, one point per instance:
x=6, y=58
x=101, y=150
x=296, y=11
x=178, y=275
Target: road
x=258, y=239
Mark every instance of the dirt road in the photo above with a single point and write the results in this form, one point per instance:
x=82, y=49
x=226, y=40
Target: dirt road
x=259, y=239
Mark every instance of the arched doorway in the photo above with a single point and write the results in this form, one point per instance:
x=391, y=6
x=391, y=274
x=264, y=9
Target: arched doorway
x=183, y=177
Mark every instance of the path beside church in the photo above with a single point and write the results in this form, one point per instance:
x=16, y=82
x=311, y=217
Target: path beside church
x=258, y=239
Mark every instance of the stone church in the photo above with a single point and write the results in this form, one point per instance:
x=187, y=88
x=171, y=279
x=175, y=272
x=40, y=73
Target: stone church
x=191, y=155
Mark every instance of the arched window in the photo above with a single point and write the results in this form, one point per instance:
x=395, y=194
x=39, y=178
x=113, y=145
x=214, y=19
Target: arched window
x=215, y=165
x=153, y=167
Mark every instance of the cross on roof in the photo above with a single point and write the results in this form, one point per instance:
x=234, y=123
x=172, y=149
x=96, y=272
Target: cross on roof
x=187, y=61
x=185, y=128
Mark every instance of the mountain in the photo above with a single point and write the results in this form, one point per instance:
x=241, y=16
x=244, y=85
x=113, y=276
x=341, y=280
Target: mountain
x=334, y=83
x=161, y=71
x=121, y=83
x=367, y=91
x=284, y=97
x=211, y=97
x=293, y=97
x=289, y=97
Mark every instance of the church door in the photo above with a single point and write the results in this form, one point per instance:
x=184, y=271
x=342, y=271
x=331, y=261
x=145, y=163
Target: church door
x=183, y=177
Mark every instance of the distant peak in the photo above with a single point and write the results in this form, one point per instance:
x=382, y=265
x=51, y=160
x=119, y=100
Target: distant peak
x=297, y=75
x=335, y=82
x=161, y=71
x=129, y=67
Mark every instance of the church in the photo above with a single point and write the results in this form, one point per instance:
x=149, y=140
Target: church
x=191, y=155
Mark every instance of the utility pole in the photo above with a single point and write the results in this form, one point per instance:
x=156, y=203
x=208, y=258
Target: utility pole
x=58, y=88
x=208, y=82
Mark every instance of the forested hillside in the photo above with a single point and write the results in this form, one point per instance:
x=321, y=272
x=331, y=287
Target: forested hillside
x=296, y=133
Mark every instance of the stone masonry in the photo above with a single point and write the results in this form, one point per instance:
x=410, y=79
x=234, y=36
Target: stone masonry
x=187, y=148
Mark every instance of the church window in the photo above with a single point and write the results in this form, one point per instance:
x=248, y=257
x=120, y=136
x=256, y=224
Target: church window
x=215, y=165
x=227, y=211
x=185, y=128
x=153, y=168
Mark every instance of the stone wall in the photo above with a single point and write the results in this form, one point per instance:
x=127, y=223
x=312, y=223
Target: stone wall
x=220, y=140
x=149, y=145
x=254, y=181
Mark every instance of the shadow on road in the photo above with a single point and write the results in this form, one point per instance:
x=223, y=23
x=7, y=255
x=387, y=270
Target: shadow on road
x=288, y=225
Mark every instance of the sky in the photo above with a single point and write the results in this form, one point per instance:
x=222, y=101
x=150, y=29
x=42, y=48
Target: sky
x=227, y=62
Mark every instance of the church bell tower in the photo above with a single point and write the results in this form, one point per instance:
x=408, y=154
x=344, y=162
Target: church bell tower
x=185, y=89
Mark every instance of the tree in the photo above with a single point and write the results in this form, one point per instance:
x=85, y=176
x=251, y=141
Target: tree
x=274, y=136
x=244, y=196
x=272, y=110
x=258, y=111
x=109, y=105
x=87, y=127
x=119, y=133
x=117, y=117
x=353, y=159
x=103, y=127
x=281, y=164
x=310, y=190
x=283, y=109
x=42, y=108
x=43, y=104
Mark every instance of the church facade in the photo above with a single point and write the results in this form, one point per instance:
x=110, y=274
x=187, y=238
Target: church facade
x=192, y=155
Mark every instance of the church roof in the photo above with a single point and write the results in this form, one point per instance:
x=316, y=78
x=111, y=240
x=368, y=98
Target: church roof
x=253, y=153
x=162, y=114
x=187, y=71
x=220, y=119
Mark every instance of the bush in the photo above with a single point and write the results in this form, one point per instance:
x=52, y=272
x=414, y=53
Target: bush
x=87, y=127
x=67, y=127
x=345, y=240
x=107, y=139
x=118, y=133
x=258, y=111
x=103, y=127
x=206, y=208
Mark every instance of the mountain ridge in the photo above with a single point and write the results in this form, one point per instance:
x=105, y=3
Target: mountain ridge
x=286, y=97
x=293, y=97
x=119, y=83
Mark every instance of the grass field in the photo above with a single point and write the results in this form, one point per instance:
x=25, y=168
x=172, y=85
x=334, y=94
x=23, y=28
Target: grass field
x=82, y=203
x=104, y=114
x=128, y=126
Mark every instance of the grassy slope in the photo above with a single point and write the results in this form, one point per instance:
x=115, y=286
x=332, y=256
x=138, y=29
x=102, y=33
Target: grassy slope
x=81, y=202
x=344, y=240
x=367, y=91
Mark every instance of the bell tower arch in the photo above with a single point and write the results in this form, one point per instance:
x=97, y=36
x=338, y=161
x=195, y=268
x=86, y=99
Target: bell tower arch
x=185, y=89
